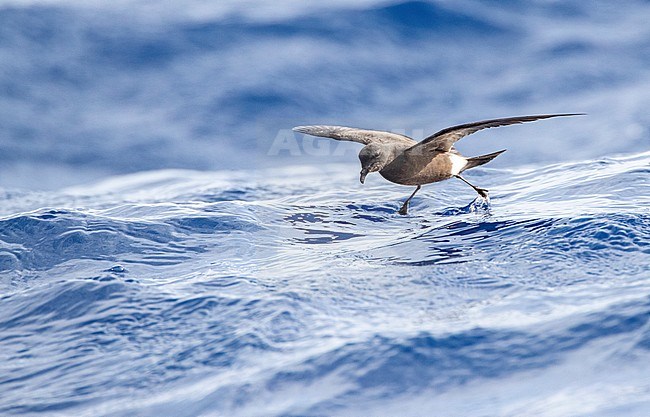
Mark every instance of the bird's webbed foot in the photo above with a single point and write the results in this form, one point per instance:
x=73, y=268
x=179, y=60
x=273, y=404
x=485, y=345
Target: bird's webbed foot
x=482, y=192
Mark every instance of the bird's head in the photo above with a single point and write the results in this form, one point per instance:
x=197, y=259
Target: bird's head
x=373, y=158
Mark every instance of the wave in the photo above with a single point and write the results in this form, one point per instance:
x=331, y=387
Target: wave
x=310, y=281
x=285, y=287
x=144, y=90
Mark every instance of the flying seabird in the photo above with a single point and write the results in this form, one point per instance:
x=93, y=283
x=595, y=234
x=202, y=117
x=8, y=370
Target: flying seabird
x=402, y=160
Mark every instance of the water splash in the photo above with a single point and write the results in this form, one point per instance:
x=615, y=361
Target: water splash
x=312, y=283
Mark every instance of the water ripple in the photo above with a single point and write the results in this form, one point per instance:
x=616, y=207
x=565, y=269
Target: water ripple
x=325, y=287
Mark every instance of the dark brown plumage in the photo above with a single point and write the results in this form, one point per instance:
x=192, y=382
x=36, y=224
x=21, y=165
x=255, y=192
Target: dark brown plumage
x=402, y=160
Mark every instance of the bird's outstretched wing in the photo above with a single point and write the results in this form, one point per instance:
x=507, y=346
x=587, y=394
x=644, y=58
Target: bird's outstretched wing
x=444, y=140
x=353, y=134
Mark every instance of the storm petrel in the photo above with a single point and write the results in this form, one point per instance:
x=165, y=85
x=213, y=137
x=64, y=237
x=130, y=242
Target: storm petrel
x=402, y=160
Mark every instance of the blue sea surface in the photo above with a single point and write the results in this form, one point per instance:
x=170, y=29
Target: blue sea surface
x=168, y=247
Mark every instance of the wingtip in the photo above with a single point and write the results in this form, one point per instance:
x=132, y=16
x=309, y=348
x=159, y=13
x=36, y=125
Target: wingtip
x=550, y=115
x=308, y=130
x=545, y=116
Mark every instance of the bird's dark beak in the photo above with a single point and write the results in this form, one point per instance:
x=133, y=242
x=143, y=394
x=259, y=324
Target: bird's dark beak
x=362, y=178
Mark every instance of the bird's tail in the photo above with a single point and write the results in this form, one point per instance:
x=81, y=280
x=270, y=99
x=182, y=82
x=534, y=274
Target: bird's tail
x=480, y=160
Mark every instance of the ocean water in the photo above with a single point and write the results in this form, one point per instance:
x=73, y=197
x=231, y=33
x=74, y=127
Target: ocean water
x=168, y=247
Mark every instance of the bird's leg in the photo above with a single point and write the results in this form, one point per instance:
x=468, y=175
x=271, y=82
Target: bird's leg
x=481, y=191
x=405, y=206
